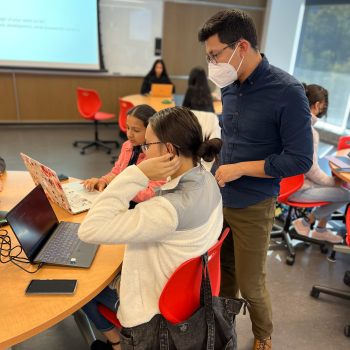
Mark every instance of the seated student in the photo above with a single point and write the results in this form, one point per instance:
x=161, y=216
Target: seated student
x=2, y=169
x=131, y=153
x=181, y=222
x=157, y=75
x=318, y=186
x=198, y=96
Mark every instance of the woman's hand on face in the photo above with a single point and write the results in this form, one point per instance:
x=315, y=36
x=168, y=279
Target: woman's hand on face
x=160, y=168
x=94, y=183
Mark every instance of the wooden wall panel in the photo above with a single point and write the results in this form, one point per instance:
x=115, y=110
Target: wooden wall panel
x=181, y=50
x=54, y=98
x=7, y=98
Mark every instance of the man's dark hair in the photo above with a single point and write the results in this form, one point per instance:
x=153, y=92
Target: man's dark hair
x=231, y=26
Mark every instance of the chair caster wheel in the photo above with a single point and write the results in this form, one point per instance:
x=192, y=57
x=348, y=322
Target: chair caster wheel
x=108, y=151
x=314, y=294
x=347, y=331
x=290, y=260
x=82, y=152
x=324, y=249
x=75, y=144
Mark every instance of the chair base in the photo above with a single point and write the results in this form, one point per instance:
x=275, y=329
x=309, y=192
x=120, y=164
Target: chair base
x=97, y=142
x=338, y=293
x=287, y=236
x=343, y=294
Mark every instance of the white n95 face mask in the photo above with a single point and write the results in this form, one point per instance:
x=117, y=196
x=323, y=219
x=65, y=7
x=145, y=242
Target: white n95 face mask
x=223, y=74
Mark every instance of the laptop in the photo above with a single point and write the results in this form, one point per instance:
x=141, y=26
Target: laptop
x=71, y=197
x=43, y=238
x=161, y=90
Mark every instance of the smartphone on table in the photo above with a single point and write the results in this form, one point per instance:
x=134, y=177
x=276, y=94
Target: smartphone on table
x=51, y=287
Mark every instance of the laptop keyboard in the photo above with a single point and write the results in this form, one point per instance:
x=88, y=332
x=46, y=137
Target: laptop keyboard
x=62, y=245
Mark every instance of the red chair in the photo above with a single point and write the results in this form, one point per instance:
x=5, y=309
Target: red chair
x=289, y=186
x=180, y=296
x=89, y=104
x=343, y=143
x=125, y=106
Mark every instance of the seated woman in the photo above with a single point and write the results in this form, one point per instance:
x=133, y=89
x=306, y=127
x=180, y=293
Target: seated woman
x=198, y=96
x=131, y=153
x=157, y=75
x=2, y=169
x=181, y=222
x=318, y=186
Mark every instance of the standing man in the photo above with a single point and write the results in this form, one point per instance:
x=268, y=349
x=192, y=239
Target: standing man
x=266, y=129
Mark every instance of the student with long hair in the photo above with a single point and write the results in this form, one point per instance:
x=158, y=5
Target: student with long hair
x=198, y=96
x=318, y=186
x=157, y=75
x=181, y=222
x=131, y=154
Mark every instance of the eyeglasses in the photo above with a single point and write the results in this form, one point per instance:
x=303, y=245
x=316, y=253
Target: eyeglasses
x=145, y=146
x=212, y=58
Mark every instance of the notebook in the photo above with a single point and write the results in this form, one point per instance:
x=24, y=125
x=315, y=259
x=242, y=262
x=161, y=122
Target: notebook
x=71, y=197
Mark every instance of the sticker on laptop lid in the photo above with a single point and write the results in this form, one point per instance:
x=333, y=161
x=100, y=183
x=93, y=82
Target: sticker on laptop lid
x=73, y=261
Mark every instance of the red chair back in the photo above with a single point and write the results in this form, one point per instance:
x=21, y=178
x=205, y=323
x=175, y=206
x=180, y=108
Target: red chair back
x=125, y=106
x=347, y=222
x=181, y=295
x=288, y=186
x=344, y=142
x=88, y=103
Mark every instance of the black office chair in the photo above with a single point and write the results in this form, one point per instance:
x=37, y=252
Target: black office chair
x=316, y=290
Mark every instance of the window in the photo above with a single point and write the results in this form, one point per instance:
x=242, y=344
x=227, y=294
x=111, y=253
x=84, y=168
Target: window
x=323, y=57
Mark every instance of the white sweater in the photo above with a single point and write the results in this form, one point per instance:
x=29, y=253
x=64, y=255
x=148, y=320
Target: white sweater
x=316, y=175
x=183, y=221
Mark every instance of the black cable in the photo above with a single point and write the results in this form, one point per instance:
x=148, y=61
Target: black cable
x=5, y=252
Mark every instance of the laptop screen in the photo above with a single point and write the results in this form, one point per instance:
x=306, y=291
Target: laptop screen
x=33, y=220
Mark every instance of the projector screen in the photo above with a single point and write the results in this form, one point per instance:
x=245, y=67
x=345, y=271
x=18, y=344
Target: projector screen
x=61, y=34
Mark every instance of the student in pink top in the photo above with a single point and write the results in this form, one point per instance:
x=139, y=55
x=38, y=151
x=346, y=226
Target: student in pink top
x=318, y=186
x=131, y=154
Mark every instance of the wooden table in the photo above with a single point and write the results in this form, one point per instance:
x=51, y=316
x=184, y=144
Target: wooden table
x=344, y=176
x=158, y=105
x=23, y=316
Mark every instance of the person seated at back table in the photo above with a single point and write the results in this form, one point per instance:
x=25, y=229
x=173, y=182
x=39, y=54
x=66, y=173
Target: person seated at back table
x=2, y=169
x=131, y=154
x=318, y=186
x=183, y=221
x=198, y=96
x=157, y=75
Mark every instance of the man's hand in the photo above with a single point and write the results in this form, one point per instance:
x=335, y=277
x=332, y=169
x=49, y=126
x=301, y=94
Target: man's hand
x=161, y=167
x=94, y=183
x=228, y=173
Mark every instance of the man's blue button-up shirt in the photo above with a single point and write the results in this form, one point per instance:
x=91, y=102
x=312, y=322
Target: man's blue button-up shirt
x=267, y=117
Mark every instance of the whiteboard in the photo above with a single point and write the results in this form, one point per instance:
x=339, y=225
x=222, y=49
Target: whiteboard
x=128, y=32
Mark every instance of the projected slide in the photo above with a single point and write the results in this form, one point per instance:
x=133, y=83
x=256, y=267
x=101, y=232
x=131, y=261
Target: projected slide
x=49, y=34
